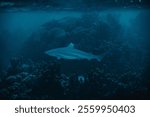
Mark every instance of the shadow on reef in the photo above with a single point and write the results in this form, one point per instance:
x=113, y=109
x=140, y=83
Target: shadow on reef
x=120, y=75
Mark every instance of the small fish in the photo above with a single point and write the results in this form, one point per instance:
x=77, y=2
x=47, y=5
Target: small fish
x=71, y=53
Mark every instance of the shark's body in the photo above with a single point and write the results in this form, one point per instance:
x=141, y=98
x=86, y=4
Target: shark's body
x=71, y=53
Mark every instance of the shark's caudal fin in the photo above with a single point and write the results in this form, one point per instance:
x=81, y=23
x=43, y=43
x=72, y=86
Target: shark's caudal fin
x=71, y=45
x=100, y=57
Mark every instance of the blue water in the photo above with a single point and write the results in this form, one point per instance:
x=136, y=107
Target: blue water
x=21, y=24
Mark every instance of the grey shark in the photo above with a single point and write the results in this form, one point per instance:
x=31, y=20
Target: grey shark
x=71, y=53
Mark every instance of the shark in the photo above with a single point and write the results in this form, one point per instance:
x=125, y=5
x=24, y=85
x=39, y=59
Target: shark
x=71, y=53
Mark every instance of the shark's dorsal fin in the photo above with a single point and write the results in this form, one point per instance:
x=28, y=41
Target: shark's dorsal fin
x=71, y=45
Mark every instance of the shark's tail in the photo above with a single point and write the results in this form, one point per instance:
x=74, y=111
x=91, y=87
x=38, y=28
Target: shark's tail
x=100, y=57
